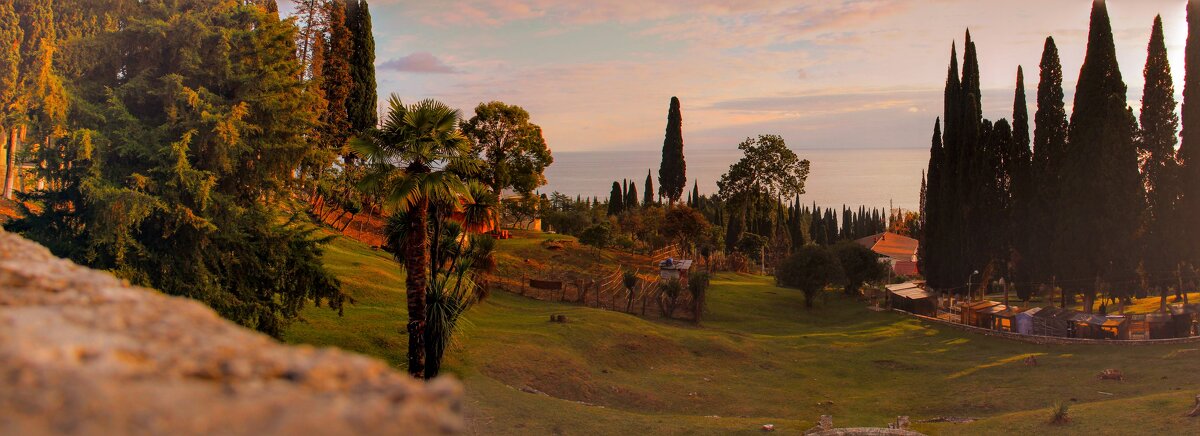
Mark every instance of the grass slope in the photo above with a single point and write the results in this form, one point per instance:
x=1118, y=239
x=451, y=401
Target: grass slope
x=759, y=357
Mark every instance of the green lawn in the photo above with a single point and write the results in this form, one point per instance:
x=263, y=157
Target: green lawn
x=758, y=358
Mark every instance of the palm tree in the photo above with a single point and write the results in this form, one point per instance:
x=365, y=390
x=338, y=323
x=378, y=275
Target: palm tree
x=410, y=161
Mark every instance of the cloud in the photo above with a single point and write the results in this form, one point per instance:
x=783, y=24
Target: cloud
x=420, y=62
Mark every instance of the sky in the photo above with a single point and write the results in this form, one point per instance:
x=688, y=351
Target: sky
x=599, y=74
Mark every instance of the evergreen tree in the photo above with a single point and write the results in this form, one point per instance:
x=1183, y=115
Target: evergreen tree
x=1102, y=193
x=1049, y=153
x=615, y=205
x=1160, y=169
x=1018, y=164
x=362, y=105
x=1189, y=148
x=649, y=195
x=631, y=197
x=196, y=152
x=672, y=172
x=336, y=82
x=696, y=193
x=931, y=190
x=12, y=95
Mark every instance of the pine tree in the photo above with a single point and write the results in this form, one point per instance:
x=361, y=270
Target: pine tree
x=12, y=95
x=615, y=205
x=1102, y=193
x=672, y=172
x=1160, y=169
x=362, y=106
x=1189, y=148
x=649, y=195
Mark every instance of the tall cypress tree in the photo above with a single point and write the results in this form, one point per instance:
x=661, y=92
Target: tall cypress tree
x=649, y=195
x=942, y=250
x=615, y=200
x=672, y=172
x=1156, y=143
x=930, y=204
x=1049, y=152
x=1018, y=162
x=336, y=83
x=1189, y=148
x=362, y=106
x=1102, y=191
x=967, y=215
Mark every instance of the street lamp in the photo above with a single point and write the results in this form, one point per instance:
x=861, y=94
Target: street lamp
x=969, y=293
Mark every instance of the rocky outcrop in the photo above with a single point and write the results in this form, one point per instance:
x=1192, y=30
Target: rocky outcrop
x=82, y=352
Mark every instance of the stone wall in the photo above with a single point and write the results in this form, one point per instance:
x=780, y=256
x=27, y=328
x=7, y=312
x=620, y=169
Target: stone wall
x=82, y=352
x=1051, y=340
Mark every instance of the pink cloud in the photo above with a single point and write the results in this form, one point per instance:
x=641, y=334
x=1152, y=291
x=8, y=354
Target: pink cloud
x=419, y=62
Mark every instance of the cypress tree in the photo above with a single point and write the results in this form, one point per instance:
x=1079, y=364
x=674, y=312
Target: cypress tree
x=615, y=205
x=1102, y=191
x=1156, y=143
x=1189, y=148
x=1018, y=166
x=930, y=204
x=649, y=195
x=336, y=82
x=969, y=173
x=631, y=196
x=362, y=106
x=1049, y=152
x=696, y=193
x=672, y=172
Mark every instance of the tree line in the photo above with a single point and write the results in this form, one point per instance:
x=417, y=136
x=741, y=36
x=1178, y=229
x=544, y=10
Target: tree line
x=1102, y=202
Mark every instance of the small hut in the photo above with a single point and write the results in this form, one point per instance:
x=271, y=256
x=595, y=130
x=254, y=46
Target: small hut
x=1088, y=326
x=1053, y=321
x=671, y=269
x=1183, y=319
x=1115, y=327
x=1006, y=320
x=1158, y=325
x=987, y=318
x=910, y=298
x=970, y=312
x=1024, y=320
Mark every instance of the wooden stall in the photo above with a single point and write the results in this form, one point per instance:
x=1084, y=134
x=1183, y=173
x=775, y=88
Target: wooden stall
x=909, y=297
x=970, y=311
x=1053, y=321
x=1024, y=320
x=1006, y=320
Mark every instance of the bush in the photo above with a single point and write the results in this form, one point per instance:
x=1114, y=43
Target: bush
x=598, y=236
x=671, y=289
x=1059, y=413
x=810, y=269
x=860, y=265
x=698, y=286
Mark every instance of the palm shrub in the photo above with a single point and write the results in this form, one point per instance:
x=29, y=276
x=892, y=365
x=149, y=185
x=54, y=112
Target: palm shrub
x=1059, y=413
x=698, y=286
x=671, y=289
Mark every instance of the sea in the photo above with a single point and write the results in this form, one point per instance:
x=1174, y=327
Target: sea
x=877, y=178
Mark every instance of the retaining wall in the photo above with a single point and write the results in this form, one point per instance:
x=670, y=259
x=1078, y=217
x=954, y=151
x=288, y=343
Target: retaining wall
x=1051, y=340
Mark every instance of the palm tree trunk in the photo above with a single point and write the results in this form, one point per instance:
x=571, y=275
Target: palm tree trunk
x=416, y=259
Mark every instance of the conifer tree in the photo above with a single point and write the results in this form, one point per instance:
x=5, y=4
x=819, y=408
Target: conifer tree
x=631, y=196
x=696, y=193
x=649, y=195
x=336, y=82
x=615, y=205
x=1102, y=193
x=1189, y=148
x=672, y=172
x=1049, y=153
x=362, y=106
x=1160, y=169
x=931, y=189
x=1018, y=161
x=11, y=90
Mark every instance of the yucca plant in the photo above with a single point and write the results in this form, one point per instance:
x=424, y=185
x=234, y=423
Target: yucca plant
x=1059, y=413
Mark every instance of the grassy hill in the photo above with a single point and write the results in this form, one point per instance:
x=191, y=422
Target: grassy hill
x=758, y=358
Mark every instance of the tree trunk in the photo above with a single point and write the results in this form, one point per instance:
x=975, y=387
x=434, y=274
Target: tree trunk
x=10, y=164
x=416, y=259
x=347, y=225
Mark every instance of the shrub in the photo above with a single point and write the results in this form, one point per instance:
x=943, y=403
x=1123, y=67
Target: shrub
x=810, y=269
x=1059, y=413
x=860, y=265
x=698, y=286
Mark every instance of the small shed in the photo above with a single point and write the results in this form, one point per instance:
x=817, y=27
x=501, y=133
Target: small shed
x=987, y=318
x=1053, y=321
x=1089, y=326
x=1158, y=325
x=1115, y=327
x=671, y=269
x=1006, y=320
x=1183, y=319
x=970, y=311
x=911, y=298
x=1024, y=321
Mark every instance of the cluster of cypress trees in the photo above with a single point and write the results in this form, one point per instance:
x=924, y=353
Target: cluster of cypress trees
x=1100, y=203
